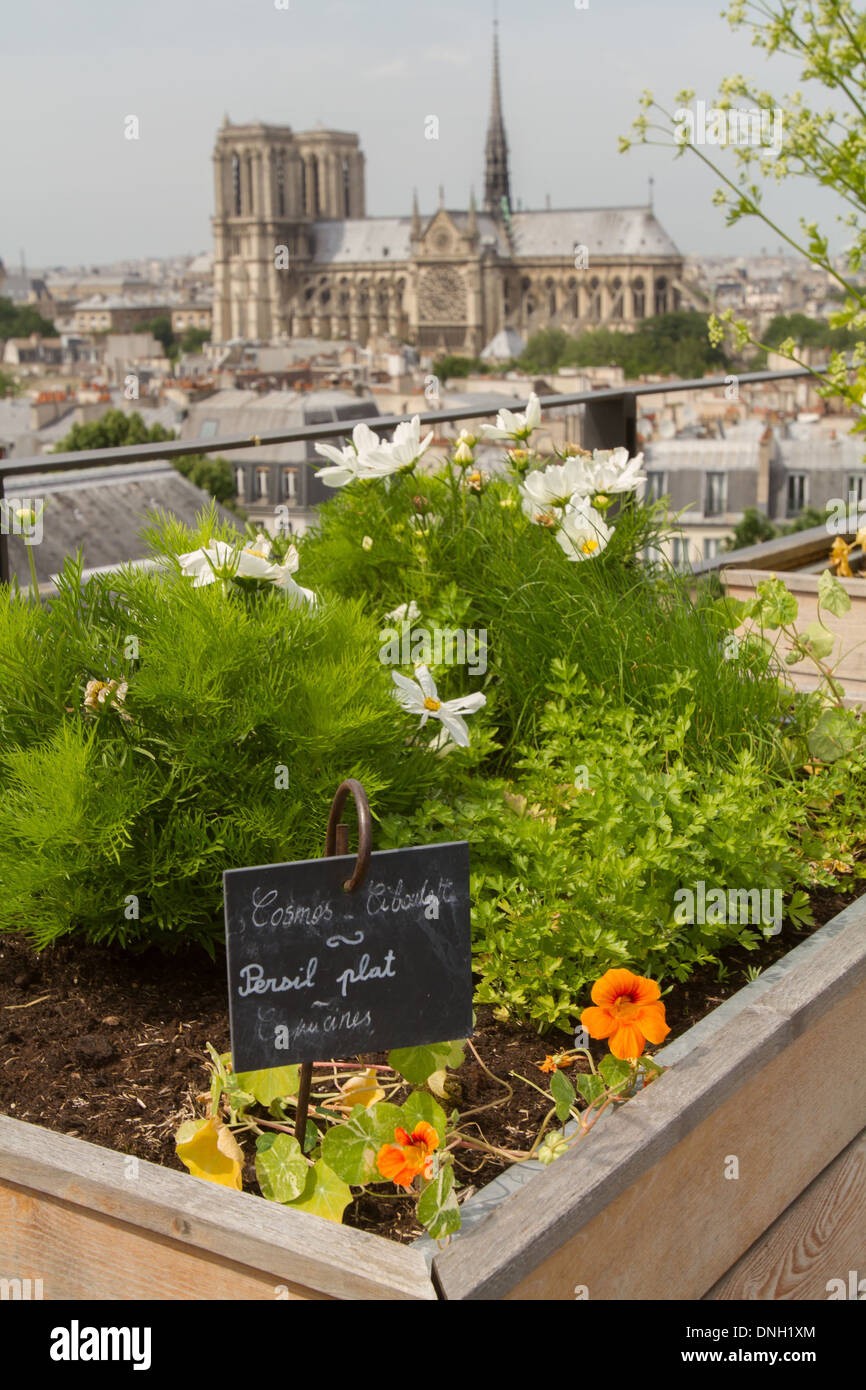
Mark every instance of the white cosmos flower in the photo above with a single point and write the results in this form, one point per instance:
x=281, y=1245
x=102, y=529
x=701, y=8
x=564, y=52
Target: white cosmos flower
x=402, y=451
x=554, y=486
x=583, y=533
x=261, y=546
x=610, y=471
x=282, y=579
x=420, y=696
x=219, y=560
x=512, y=425
x=96, y=693
x=405, y=612
x=348, y=463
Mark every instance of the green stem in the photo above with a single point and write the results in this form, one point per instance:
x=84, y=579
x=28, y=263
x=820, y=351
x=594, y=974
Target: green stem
x=34, y=582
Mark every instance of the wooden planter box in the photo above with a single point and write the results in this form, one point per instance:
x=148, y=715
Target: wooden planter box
x=640, y=1209
x=850, y=628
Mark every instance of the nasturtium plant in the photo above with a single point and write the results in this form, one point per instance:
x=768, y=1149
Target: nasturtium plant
x=836, y=733
x=398, y=1134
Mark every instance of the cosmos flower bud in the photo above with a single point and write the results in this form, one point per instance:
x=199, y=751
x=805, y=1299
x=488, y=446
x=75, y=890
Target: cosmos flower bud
x=463, y=453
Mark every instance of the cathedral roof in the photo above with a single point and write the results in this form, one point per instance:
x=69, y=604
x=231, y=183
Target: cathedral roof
x=366, y=239
x=603, y=231
x=490, y=229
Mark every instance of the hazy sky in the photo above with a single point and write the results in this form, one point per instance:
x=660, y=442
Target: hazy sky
x=74, y=190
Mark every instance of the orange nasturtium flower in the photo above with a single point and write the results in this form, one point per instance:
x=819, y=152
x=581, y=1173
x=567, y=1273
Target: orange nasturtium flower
x=628, y=1011
x=412, y=1154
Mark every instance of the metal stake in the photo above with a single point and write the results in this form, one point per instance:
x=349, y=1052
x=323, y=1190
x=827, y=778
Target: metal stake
x=337, y=843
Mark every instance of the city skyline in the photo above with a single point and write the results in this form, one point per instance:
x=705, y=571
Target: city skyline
x=98, y=68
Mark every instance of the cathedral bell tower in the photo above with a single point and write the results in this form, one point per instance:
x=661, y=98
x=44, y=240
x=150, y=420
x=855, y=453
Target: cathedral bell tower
x=271, y=187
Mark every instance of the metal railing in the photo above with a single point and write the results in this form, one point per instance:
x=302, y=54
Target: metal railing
x=609, y=422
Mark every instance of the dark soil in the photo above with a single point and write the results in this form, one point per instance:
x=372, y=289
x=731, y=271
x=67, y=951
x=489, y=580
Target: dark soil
x=110, y=1047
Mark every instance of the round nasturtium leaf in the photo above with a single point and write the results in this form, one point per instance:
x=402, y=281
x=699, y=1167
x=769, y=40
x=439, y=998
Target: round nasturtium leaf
x=351, y=1149
x=421, y=1106
x=269, y=1085
x=281, y=1169
x=834, y=735
x=438, y=1210
x=832, y=595
x=417, y=1063
x=563, y=1094
x=324, y=1193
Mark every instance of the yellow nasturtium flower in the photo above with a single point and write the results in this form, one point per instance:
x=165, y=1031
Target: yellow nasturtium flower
x=362, y=1089
x=209, y=1150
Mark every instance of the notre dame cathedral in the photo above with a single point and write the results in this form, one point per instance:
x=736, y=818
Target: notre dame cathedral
x=296, y=256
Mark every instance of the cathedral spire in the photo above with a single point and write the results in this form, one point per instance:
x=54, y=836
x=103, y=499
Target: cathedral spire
x=496, y=181
x=416, y=215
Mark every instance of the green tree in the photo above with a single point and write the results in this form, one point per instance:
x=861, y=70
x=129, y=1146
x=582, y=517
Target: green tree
x=161, y=329
x=807, y=332
x=213, y=475
x=194, y=338
x=672, y=344
x=8, y=385
x=754, y=528
x=452, y=364
x=19, y=321
x=828, y=42
x=546, y=350
x=111, y=431
x=806, y=521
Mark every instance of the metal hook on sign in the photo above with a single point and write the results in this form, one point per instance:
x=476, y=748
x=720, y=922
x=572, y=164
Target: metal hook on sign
x=337, y=839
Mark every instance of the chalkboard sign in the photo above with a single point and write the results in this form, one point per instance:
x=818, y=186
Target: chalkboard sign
x=316, y=972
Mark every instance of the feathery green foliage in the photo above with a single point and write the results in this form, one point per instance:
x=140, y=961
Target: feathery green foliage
x=119, y=823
